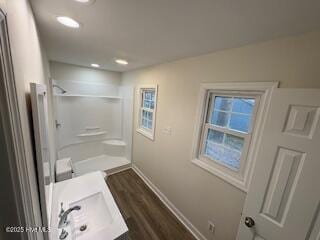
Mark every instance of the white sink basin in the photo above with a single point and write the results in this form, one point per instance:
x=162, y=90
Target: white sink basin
x=94, y=215
x=99, y=212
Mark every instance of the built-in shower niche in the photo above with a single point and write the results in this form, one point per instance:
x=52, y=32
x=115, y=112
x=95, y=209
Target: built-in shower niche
x=92, y=132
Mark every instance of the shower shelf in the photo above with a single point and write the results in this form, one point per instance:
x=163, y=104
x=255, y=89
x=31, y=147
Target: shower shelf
x=91, y=134
x=115, y=142
x=90, y=96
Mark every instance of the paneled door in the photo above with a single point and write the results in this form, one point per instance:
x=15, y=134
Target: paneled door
x=283, y=202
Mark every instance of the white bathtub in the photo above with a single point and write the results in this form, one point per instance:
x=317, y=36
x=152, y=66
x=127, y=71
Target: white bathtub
x=105, y=155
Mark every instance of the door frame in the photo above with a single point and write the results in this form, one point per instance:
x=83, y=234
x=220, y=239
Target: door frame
x=36, y=91
x=12, y=127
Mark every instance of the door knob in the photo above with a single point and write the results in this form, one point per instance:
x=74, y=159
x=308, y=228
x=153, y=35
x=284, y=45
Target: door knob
x=249, y=222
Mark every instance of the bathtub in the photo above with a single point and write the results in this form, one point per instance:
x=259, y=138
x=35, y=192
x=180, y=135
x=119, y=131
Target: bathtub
x=102, y=155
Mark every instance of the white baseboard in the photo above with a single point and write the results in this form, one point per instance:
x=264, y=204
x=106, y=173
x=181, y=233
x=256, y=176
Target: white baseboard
x=194, y=231
x=118, y=169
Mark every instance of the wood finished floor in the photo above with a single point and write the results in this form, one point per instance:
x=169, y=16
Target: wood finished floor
x=146, y=216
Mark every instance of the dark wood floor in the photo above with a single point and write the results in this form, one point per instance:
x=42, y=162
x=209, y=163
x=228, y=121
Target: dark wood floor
x=146, y=216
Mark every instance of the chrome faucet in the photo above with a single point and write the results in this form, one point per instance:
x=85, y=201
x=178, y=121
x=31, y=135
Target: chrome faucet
x=63, y=222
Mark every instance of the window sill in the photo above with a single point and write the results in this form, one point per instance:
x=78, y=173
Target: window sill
x=221, y=174
x=146, y=133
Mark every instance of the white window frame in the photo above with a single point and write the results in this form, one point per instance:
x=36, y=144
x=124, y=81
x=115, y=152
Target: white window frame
x=262, y=92
x=149, y=133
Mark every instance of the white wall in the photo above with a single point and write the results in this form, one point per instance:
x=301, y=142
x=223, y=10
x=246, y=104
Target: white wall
x=30, y=65
x=199, y=195
x=86, y=81
x=127, y=94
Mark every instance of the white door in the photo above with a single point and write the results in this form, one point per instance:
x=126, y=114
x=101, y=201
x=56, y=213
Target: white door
x=283, y=201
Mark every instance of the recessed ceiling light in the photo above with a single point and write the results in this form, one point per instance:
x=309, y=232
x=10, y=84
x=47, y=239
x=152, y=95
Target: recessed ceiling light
x=122, y=61
x=85, y=1
x=69, y=22
x=95, y=65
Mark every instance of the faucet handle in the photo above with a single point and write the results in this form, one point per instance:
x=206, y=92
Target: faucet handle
x=63, y=234
x=61, y=210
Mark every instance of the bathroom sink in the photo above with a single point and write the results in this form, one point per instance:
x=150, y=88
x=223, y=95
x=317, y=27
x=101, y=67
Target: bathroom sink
x=93, y=216
x=98, y=217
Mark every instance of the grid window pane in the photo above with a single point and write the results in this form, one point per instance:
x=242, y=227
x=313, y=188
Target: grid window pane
x=147, y=111
x=224, y=148
x=144, y=113
x=240, y=122
x=243, y=105
x=220, y=118
x=148, y=95
x=225, y=156
x=215, y=136
x=146, y=104
x=234, y=142
x=223, y=103
x=234, y=113
x=148, y=99
x=144, y=122
x=147, y=118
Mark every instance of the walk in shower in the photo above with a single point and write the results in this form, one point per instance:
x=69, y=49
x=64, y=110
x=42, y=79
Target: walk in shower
x=94, y=125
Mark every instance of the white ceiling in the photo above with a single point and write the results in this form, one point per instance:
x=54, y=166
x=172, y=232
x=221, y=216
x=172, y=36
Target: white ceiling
x=148, y=32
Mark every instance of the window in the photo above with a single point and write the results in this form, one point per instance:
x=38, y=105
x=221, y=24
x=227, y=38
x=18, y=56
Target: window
x=147, y=110
x=228, y=127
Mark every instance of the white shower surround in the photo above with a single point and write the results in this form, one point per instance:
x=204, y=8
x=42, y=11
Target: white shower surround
x=90, y=114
